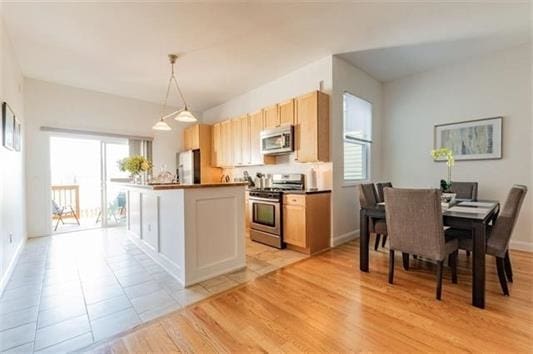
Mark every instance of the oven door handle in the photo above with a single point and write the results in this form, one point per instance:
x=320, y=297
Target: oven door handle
x=270, y=201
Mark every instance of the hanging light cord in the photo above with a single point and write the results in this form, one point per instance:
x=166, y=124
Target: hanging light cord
x=172, y=78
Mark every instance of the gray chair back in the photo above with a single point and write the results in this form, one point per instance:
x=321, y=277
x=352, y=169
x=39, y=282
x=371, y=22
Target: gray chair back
x=506, y=221
x=367, y=195
x=380, y=187
x=414, y=222
x=465, y=190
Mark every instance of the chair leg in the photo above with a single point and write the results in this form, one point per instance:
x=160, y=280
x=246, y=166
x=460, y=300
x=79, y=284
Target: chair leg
x=468, y=253
x=405, y=260
x=384, y=241
x=508, y=267
x=391, y=266
x=57, y=223
x=500, y=267
x=439, y=279
x=452, y=262
x=75, y=216
x=376, y=245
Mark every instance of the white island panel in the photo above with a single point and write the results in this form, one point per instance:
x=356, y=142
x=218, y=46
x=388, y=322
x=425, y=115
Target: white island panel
x=194, y=233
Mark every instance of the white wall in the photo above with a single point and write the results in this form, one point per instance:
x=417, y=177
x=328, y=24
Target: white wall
x=347, y=78
x=12, y=206
x=494, y=85
x=59, y=106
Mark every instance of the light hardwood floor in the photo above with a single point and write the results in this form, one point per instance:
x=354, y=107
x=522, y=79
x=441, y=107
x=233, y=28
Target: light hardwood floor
x=324, y=303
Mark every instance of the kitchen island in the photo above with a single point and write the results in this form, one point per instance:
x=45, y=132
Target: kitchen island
x=195, y=232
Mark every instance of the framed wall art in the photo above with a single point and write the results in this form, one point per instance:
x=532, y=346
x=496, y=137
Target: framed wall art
x=479, y=139
x=8, y=127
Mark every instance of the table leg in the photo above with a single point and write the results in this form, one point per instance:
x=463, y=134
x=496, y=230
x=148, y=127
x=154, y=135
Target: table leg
x=364, y=238
x=478, y=265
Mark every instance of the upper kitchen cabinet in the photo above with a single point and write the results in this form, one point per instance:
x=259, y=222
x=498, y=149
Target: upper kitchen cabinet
x=216, y=148
x=246, y=140
x=236, y=140
x=256, y=125
x=271, y=117
x=312, y=127
x=200, y=136
x=226, y=144
x=286, y=112
x=192, y=137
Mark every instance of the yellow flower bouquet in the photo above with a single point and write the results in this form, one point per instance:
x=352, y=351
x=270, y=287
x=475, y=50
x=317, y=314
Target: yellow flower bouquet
x=135, y=165
x=450, y=161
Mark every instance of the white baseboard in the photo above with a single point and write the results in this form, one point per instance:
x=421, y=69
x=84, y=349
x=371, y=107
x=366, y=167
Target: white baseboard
x=339, y=240
x=521, y=246
x=11, y=267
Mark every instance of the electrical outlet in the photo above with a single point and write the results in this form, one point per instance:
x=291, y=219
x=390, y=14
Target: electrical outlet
x=150, y=227
x=10, y=237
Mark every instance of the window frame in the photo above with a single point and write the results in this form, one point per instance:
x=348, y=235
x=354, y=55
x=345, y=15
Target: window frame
x=364, y=142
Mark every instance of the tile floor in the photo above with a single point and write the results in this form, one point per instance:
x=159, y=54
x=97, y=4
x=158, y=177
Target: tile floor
x=71, y=290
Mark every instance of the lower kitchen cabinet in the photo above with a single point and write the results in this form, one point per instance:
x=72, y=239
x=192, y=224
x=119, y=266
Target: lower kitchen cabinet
x=307, y=221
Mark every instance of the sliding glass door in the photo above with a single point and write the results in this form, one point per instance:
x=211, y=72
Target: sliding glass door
x=113, y=195
x=83, y=194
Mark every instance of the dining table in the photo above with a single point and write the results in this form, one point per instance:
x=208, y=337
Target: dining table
x=474, y=216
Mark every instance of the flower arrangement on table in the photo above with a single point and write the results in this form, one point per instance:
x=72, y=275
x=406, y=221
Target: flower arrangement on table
x=135, y=165
x=445, y=185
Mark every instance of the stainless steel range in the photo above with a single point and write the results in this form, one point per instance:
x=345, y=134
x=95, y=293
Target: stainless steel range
x=266, y=217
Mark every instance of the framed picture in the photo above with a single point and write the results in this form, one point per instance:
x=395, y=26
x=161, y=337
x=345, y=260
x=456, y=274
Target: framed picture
x=17, y=136
x=479, y=139
x=8, y=125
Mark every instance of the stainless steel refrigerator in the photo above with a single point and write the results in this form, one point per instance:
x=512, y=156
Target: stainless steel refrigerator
x=188, y=163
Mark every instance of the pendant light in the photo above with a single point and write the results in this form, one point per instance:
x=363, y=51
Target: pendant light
x=182, y=115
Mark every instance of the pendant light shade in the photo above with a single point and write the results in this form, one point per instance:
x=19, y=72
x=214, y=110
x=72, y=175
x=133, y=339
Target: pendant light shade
x=161, y=125
x=185, y=116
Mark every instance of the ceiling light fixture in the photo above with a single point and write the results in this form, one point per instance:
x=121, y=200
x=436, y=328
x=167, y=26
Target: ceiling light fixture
x=181, y=115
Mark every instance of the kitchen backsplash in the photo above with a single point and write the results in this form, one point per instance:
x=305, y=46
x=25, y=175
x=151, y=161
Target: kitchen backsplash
x=286, y=164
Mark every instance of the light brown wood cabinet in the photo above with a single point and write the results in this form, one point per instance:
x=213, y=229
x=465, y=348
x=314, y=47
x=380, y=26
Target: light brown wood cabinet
x=307, y=222
x=216, y=157
x=271, y=117
x=236, y=133
x=192, y=137
x=312, y=127
x=226, y=144
x=237, y=142
x=246, y=141
x=286, y=112
x=199, y=136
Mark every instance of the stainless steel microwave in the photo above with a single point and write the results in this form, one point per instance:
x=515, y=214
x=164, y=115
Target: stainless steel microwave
x=277, y=141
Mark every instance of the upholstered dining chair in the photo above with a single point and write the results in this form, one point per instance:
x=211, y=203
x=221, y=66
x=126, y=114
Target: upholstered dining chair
x=368, y=199
x=464, y=190
x=380, y=187
x=414, y=221
x=499, y=235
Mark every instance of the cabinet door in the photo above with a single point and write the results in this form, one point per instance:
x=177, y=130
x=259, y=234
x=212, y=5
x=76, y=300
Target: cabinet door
x=294, y=231
x=271, y=117
x=236, y=141
x=256, y=125
x=215, y=156
x=187, y=136
x=195, y=136
x=246, y=141
x=227, y=147
x=307, y=128
x=286, y=112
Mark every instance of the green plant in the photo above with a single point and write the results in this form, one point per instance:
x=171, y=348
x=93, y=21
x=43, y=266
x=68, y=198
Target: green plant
x=135, y=164
x=445, y=185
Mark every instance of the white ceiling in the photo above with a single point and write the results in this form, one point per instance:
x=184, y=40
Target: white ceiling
x=387, y=64
x=228, y=49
